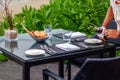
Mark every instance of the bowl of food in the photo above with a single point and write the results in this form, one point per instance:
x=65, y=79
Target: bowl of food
x=39, y=36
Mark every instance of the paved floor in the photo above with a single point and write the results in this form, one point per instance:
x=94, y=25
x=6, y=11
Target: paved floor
x=12, y=71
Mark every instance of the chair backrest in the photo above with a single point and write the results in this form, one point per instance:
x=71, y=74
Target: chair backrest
x=100, y=69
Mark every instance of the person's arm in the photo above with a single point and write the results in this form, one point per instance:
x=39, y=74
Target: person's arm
x=110, y=33
x=109, y=16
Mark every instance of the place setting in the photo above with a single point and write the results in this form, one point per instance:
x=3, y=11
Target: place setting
x=67, y=45
x=91, y=43
x=75, y=36
x=95, y=42
x=40, y=52
x=40, y=49
x=34, y=52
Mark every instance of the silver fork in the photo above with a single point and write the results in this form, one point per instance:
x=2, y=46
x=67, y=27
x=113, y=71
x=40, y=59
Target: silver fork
x=49, y=49
x=43, y=47
x=46, y=48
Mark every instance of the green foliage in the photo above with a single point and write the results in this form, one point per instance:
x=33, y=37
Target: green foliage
x=118, y=52
x=3, y=58
x=76, y=15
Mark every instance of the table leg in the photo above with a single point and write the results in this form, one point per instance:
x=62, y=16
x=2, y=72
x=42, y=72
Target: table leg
x=69, y=69
x=26, y=72
x=61, y=69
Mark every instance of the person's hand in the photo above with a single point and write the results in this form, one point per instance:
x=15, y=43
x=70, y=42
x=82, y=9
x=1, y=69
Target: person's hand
x=103, y=39
x=110, y=33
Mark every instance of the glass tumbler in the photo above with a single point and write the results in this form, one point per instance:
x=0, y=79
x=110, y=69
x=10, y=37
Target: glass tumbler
x=67, y=36
x=48, y=29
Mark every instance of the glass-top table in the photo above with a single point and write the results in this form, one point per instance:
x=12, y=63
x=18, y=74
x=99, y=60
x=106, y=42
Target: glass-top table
x=16, y=51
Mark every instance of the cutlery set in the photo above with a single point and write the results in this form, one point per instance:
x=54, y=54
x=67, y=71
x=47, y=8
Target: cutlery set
x=47, y=49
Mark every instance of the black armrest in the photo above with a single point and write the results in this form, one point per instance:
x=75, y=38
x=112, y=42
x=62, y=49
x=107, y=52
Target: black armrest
x=47, y=73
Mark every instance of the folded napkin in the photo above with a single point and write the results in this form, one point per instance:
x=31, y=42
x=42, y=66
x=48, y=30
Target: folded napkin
x=77, y=34
x=67, y=46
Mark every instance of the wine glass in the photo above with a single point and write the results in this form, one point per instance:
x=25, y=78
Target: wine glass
x=99, y=31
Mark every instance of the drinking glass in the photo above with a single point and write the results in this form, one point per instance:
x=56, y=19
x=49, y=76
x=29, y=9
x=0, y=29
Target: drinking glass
x=67, y=36
x=99, y=31
x=48, y=29
x=11, y=35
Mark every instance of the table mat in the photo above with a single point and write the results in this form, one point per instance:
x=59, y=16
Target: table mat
x=73, y=39
x=60, y=51
x=67, y=46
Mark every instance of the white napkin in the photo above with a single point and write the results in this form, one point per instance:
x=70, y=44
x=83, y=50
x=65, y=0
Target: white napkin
x=67, y=46
x=77, y=34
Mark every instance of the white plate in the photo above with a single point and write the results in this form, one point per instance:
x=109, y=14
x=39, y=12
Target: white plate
x=93, y=41
x=34, y=52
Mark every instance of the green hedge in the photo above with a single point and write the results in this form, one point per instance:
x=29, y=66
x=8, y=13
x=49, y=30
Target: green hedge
x=76, y=15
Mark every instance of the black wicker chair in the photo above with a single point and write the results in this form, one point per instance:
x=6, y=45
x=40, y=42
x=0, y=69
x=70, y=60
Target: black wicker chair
x=93, y=69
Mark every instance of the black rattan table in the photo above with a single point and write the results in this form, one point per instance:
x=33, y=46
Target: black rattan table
x=16, y=52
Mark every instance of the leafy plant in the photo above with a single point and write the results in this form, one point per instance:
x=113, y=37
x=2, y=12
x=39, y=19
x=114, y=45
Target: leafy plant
x=3, y=58
x=76, y=15
x=7, y=13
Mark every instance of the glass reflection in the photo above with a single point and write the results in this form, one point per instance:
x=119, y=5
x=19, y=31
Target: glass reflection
x=13, y=45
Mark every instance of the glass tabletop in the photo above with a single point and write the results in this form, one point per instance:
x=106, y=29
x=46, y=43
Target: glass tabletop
x=25, y=42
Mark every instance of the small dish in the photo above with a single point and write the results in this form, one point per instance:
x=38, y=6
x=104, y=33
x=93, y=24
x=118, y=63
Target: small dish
x=93, y=41
x=34, y=52
x=39, y=36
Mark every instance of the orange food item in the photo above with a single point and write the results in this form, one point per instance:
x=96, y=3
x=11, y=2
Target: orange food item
x=43, y=34
x=31, y=33
x=37, y=33
x=40, y=34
